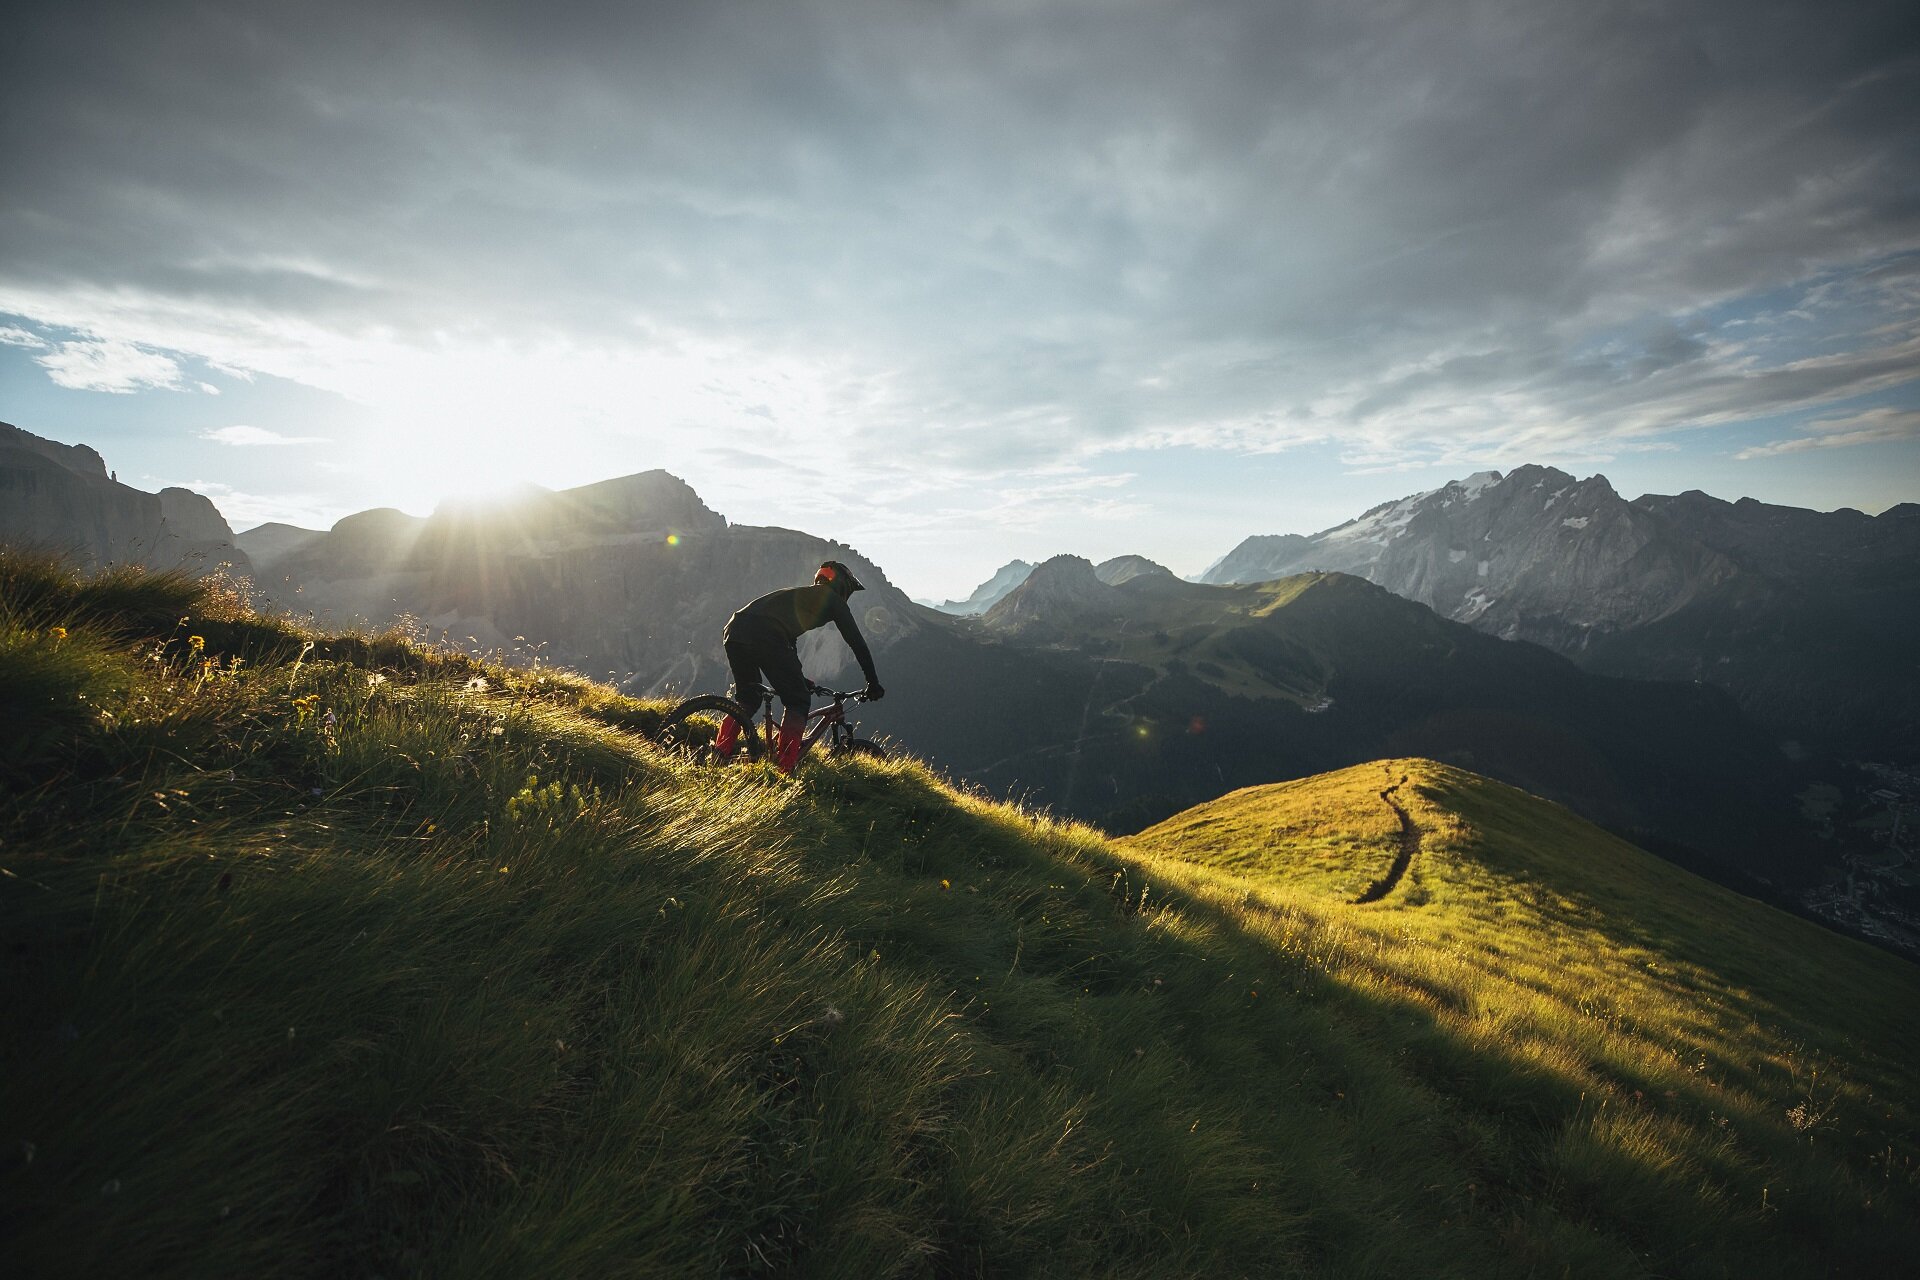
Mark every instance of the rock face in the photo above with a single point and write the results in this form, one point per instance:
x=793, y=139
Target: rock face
x=1789, y=609
x=991, y=592
x=630, y=579
x=61, y=497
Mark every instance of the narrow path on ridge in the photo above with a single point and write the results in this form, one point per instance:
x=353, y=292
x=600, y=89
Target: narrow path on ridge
x=1409, y=845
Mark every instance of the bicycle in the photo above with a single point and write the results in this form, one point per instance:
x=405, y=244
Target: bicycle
x=690, y=727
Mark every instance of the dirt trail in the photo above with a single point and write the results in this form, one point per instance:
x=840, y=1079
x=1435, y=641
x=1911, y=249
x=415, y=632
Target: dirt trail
x=1409, y=845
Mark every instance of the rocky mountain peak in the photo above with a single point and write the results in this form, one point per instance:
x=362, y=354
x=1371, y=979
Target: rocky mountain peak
x=1126, y=568
x=646, y=502
x=80, y=459
x=1064, y=587
x=62, y=496
x=1534, y=475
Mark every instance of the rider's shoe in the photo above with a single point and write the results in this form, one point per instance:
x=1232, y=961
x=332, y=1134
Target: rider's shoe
x=727, y=739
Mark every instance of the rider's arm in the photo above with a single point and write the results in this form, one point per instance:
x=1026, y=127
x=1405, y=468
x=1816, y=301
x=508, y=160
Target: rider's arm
x=850, y=632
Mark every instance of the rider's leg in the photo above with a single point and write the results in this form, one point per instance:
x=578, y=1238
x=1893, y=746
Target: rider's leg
x=747, y=691
x=782, y=668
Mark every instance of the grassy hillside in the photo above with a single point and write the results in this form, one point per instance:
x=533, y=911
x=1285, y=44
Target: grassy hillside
x=332, y=955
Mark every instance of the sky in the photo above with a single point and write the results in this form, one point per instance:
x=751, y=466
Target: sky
x=959, y=282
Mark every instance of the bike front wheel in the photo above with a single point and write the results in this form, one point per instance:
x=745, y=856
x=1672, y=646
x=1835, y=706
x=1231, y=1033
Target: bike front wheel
x=861, y=747
x=689, y=730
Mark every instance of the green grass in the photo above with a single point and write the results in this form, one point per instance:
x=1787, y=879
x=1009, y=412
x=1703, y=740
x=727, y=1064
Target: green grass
x=361, y=958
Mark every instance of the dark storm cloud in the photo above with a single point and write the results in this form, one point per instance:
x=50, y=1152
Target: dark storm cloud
x=1064, y=222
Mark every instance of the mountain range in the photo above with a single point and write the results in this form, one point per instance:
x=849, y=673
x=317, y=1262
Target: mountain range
x=1121, y=694
x=631, y=578
x=1807, y=617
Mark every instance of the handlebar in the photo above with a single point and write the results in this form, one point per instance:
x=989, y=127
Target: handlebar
x=853, y=695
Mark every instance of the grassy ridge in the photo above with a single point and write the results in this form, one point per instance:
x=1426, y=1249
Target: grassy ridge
x=1720, y=1054
x=360, y=958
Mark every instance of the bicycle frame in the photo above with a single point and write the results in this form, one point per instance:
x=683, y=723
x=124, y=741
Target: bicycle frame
x=829, y=721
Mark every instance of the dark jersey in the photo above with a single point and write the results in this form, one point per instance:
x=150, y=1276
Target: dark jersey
x=794, y=611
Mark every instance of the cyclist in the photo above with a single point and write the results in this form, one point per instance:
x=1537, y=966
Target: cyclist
x=763, y=638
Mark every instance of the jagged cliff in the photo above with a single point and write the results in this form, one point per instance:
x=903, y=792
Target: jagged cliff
x=1802, y=614
x=62, y=497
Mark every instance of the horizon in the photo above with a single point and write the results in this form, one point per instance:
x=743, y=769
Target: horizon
x=982, y=574
x=968, y=286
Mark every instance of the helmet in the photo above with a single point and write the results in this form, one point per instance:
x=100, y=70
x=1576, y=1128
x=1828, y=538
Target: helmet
x=839, y=577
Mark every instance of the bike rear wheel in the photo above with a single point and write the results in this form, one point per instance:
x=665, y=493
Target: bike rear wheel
x=689, y=729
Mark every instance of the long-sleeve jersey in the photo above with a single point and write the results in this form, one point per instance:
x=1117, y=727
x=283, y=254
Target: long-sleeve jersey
x=794, y=611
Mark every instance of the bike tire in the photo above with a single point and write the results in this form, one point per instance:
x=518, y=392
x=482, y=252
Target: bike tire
x=688, y=729
x=863, y=747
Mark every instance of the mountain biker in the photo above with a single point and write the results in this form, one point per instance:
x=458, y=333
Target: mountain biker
x=763, y=638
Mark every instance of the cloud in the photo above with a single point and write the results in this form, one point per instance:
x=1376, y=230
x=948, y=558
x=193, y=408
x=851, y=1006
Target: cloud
x=1016, y=234
x=16, y=337
x=1875, y=426
x=119, y=368
x=247, y=437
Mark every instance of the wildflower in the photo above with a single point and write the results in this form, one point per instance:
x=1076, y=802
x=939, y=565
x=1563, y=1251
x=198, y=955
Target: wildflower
x=59, y=634
x=503, y=871
x=946, y=884
x=196, y=643
x=477, y=685
x=495, y=732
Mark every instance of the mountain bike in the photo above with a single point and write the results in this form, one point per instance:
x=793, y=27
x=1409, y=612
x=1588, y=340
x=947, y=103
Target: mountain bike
x=689, y=728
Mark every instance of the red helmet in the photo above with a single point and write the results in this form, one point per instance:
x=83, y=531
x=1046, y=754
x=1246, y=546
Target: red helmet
x=839, y=577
